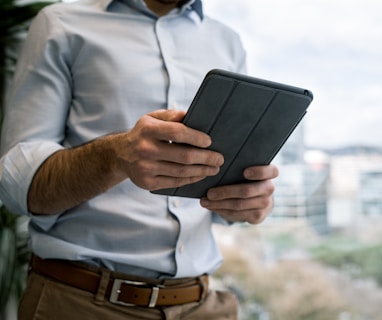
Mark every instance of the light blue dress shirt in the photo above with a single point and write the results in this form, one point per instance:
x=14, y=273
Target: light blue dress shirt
x=94, y=67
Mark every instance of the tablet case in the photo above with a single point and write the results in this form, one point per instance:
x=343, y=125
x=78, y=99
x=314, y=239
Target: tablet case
x=248, y=119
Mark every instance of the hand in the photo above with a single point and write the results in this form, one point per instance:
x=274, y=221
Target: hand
x=161, y=152
x=247, y=202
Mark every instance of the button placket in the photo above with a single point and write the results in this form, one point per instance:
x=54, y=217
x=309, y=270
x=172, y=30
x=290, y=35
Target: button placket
x=176, y=85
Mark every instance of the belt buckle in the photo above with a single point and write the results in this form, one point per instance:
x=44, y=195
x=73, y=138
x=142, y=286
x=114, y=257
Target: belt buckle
x=116, y=290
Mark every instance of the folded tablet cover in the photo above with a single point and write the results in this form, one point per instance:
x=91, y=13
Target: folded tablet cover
x=248, y=119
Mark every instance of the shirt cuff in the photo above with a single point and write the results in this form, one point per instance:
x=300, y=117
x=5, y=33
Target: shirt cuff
x=18, y=166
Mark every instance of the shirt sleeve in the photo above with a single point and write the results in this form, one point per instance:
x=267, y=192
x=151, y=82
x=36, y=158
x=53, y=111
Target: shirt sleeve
x=35, y=110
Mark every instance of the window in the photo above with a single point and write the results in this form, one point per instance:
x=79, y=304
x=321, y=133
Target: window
x=321, y=248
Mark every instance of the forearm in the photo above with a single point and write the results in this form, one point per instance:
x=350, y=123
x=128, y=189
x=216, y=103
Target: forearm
x=143, y=154
x=72, y=176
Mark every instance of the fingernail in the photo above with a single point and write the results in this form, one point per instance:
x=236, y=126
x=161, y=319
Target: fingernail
x=204, y=202
x=249, y=173
x=219, y=161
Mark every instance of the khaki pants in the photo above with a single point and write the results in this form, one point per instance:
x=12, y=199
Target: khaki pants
x=45, y=299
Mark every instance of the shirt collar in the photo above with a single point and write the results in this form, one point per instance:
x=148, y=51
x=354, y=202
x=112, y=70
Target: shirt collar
x=195, y=5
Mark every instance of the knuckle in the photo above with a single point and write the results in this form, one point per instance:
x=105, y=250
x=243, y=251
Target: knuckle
x=141, y=174
x=264, y=203
x=270, y=187
x=148, y=126
x=187, y=157
x=145, y=150
x=147, y=182
x=239, y=205
x=175, y=133
x=276, y=171
x=268, y=203
x=147, y=129
x=178, y=172
x=246, y=190
x=256, y=216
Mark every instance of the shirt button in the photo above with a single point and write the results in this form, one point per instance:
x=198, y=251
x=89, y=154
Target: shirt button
x=175, y=105
x=181, y=248
x=176, y=203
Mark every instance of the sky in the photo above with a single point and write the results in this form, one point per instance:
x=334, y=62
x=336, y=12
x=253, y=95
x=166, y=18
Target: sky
x=333, y=48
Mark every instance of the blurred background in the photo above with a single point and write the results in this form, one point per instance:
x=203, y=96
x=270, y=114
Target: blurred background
x=318, y=256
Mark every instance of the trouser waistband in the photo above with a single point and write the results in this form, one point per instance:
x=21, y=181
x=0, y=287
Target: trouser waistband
x=123, y=289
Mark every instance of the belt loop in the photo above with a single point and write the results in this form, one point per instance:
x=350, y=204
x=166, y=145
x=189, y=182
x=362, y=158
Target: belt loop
x=102, y=287
x=203, y=281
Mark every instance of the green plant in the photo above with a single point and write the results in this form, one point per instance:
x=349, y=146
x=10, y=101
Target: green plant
x=14, y=254
x=283, y=290
x=357, y=260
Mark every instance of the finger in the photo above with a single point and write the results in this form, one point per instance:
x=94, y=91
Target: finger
x=241, y=191
x=169, y=169
x=168, y=115
x=184, y=154
x=166, y=127
x=261, y=172
x=252, y=217
x=238, y=205
x=163, y=182
x=152, y=175
x=179, y=133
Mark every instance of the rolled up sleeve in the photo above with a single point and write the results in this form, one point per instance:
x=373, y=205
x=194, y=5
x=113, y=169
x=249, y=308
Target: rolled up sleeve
x=35, y=111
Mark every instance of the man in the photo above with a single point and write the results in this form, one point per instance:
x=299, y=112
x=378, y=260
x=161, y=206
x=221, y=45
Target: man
x=100, y=90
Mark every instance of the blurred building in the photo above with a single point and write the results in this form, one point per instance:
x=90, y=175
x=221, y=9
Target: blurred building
x=356, y=188
x=370, y=193
x=302, y=186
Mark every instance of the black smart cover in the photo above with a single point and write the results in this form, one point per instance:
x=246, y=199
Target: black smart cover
x=248, y=119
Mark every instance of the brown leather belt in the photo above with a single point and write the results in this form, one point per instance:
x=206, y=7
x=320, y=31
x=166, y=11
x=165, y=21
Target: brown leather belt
x=124, y=291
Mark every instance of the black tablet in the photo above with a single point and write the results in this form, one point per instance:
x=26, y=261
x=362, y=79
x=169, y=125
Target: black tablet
x=248, y=119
